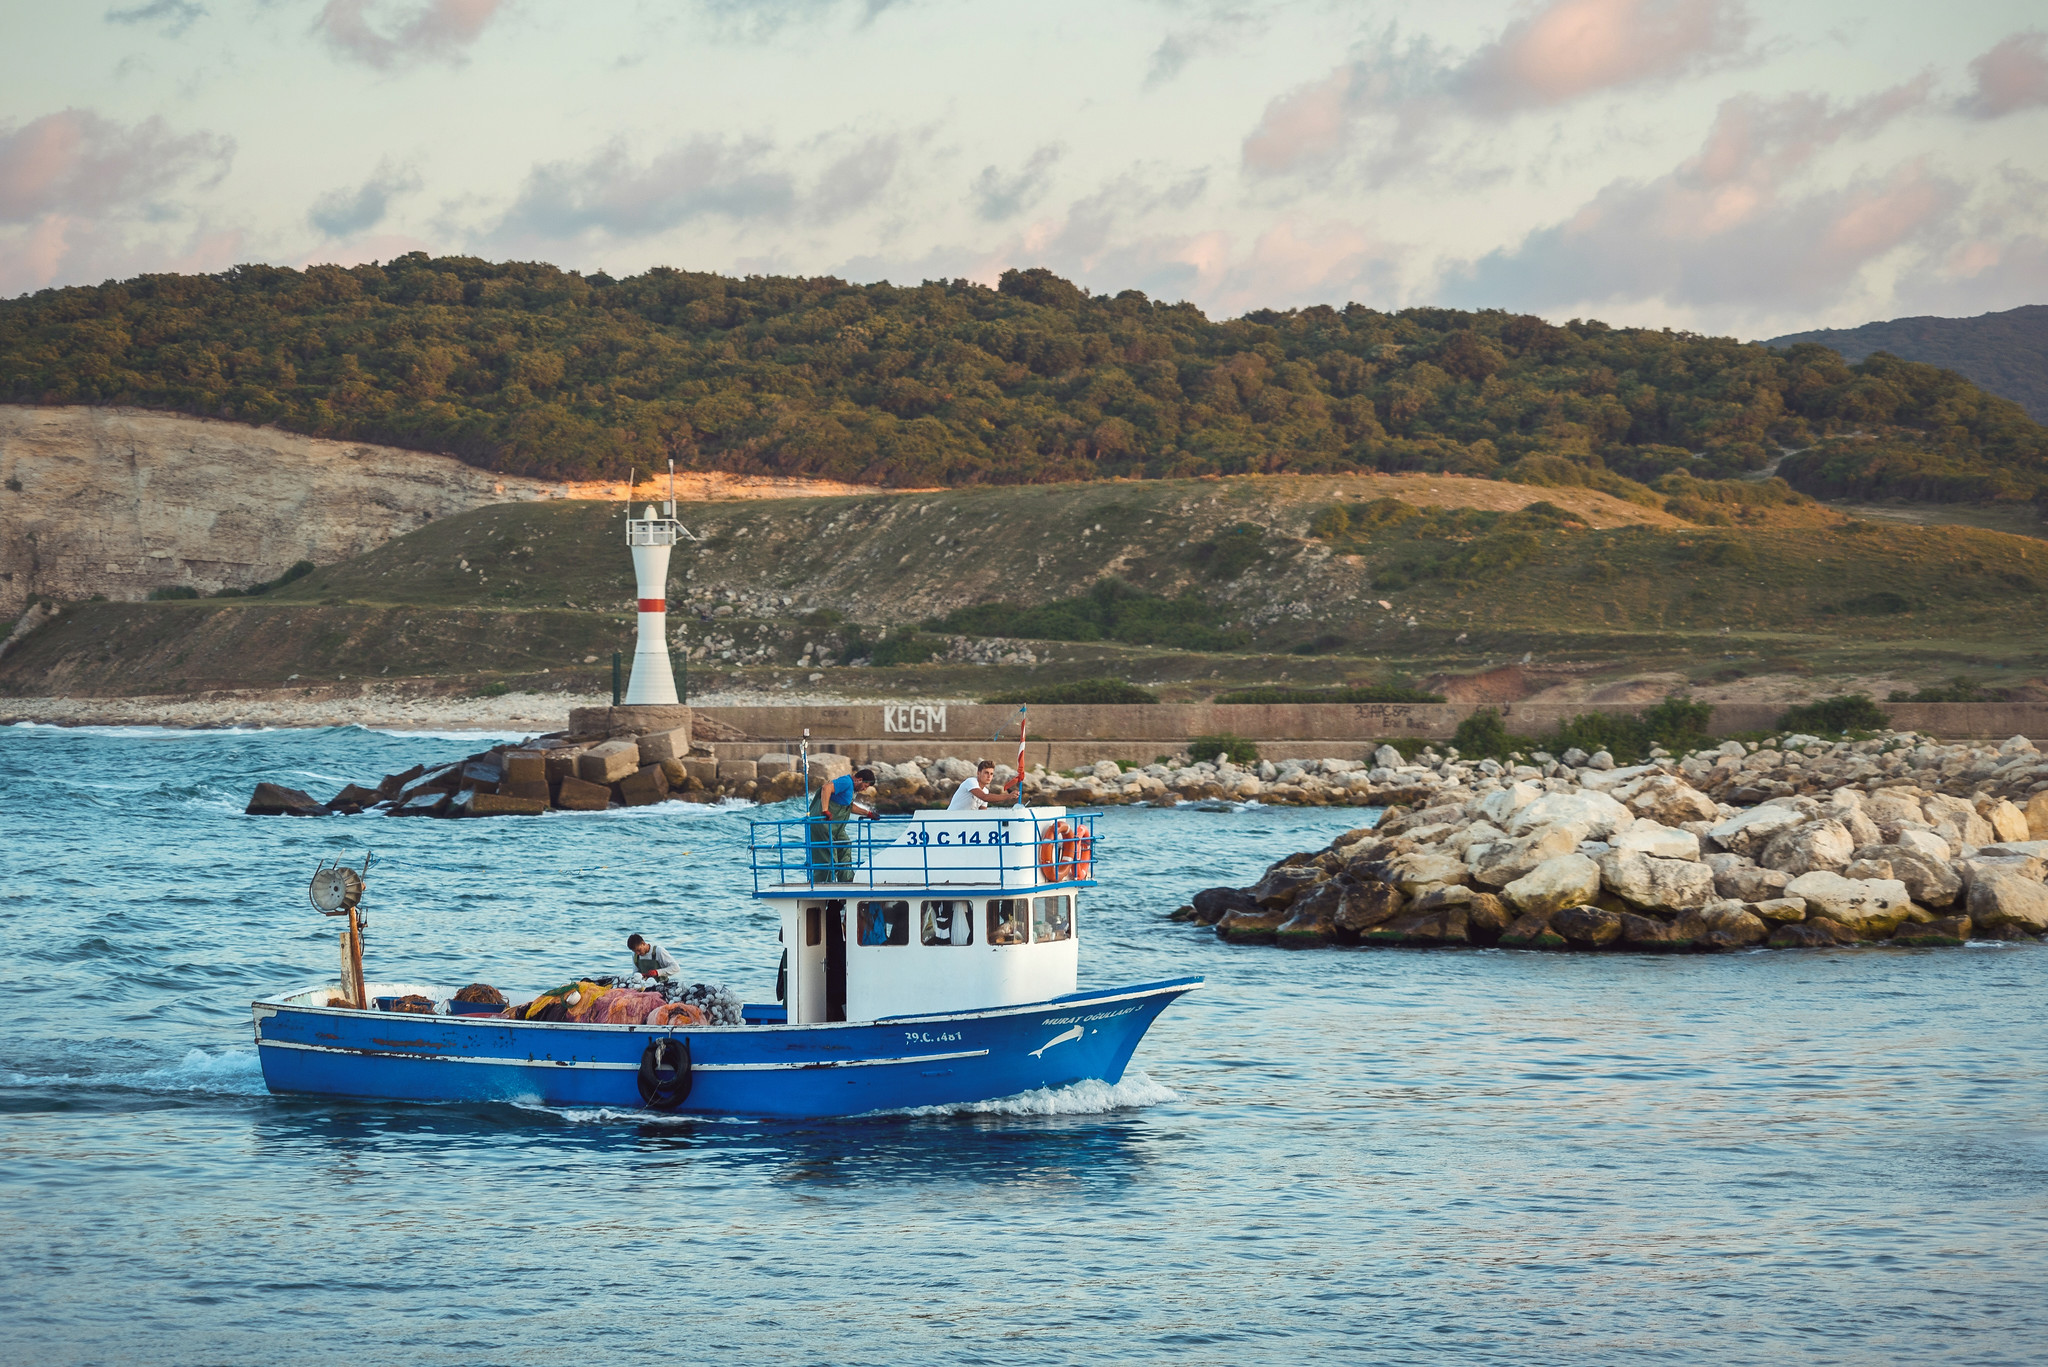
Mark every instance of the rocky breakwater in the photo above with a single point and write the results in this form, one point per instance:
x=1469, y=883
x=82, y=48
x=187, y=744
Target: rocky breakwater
x=922, y=782
x=562, y=772
x=1791, y=843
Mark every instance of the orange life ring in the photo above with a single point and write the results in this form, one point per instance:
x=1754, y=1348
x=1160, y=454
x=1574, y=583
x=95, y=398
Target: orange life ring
x=1049, y=867
x=1077, y=852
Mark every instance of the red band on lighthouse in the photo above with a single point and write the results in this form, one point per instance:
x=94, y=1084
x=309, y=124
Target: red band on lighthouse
x=654, y=605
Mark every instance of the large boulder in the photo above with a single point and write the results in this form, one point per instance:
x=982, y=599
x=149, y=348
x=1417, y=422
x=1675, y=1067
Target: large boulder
x=2037, y=816
x=1944, y=932
x=1816, y=933
x=1312, y=917
x=1597, y=815
x=1815, y=845
x=1650, y=884
x=2001, y=897
x=1648, y=837
x=1646, y=934
x=1925, y=842
x=1503, y=863
x=578, y=795
x=1487, y=918
x=1894, y=809
x=1779, y=910
x=1500, y=807
x=2007, y=821
x=1569, y=880
x=1280, y=887
x=1586, y=927
x=1930, y=882
x=1443, y=926
x=657, y=746
x=1420, y=871
x=1671, y=801
x=1749, y=831
x=1942, y=809
x=274, y=799
x=1211, y=903
x=1531, y=930
x=644, y=786
x=1368, y=905
x=1749, y=884
x=1871, y=908
x=1251, y=927
x=1720, y=925
x=608, y=762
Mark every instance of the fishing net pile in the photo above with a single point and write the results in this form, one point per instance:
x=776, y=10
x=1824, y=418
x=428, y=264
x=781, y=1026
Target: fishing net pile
x=618, y=1001
x=482, y=994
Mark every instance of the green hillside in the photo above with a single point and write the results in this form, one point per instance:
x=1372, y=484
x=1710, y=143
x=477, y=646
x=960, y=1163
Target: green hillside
x=2006, y=353
x=528, y=369
x=1189, y=586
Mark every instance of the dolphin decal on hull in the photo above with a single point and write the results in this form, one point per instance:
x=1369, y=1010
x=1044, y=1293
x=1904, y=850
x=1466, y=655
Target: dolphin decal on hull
x=1071, y=1032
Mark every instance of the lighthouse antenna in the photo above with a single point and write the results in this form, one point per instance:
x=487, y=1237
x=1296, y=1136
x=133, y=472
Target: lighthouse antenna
x=671, y=486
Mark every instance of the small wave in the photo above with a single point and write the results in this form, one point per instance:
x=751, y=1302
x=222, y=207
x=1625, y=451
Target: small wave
x=231, y=1073
x=1091, y=1097
x=144, y=732
x=403, y=734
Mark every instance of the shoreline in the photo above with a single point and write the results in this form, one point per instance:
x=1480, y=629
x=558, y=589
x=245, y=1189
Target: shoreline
x=378, y=706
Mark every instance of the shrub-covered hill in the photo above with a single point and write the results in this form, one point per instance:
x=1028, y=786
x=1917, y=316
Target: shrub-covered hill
x=529, y=369
x=2005, y=352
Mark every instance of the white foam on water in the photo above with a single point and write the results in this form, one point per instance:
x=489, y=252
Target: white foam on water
x=233, y=1072
x=1135, y=1092
x=402, y=733
x=147, y=732
x=1091, y=1097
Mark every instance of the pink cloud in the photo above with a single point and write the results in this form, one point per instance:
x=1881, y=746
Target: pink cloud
x=437, y=29
x=1729, y=227
x=1307, y=124
x=1565, y=51
x=74, y=161
x=58, y=249
x=2010, y=77
x=1573, y=48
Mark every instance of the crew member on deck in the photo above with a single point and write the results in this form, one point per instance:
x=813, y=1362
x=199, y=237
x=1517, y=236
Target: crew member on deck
x=652, y=961
x=973, y=797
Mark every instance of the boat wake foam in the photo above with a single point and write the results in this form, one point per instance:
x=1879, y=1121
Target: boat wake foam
x=233, y=1073
x=1090, y=1097
x=1135, y=1092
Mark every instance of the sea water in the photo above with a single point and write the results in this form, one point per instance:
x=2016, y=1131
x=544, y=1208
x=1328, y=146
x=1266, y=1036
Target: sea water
x=1370, y=1156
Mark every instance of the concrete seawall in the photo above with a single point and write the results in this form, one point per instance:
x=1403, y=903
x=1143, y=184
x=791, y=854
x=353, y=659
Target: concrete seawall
x=1064, y=736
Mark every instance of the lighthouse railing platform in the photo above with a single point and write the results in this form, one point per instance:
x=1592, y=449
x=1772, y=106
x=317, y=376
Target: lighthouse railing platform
x=1019, y=850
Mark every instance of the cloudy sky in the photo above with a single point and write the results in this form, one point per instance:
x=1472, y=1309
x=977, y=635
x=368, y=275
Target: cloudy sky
x=1707, y=164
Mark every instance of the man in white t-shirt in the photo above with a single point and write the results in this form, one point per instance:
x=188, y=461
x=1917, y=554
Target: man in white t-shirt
x=973, y=797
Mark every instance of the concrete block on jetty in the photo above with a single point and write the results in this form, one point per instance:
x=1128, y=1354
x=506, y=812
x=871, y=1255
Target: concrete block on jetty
x=1792, y=842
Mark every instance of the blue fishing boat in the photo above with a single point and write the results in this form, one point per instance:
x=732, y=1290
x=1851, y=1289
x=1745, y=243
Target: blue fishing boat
x=930, y=960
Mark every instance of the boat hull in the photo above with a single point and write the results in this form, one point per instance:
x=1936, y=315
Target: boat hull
x=748, y=1070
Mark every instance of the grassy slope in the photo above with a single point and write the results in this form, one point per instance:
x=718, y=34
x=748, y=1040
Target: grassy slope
x=548, y=585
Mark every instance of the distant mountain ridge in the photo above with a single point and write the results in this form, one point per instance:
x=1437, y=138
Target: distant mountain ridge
x=2006, y=353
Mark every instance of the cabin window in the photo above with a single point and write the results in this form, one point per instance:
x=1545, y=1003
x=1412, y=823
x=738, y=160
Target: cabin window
x=1052, y=918
x=948, y=923
x=814, y=925
x=1007, y=920
x=884, y=923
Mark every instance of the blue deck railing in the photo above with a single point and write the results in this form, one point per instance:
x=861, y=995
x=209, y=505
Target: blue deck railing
x=1003, y=852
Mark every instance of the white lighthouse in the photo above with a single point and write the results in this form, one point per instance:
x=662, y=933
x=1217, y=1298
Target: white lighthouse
x=651, y=537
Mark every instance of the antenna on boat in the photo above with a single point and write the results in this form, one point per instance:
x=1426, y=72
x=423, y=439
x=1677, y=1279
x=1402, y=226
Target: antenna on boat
x=337, y=890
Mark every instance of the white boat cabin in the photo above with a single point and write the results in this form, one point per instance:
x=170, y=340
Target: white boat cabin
x=945, y=911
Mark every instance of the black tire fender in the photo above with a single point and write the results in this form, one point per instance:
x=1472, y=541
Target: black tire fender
x=665, y=1074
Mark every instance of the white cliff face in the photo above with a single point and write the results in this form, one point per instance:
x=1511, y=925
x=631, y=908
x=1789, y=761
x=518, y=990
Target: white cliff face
x=120, y=501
